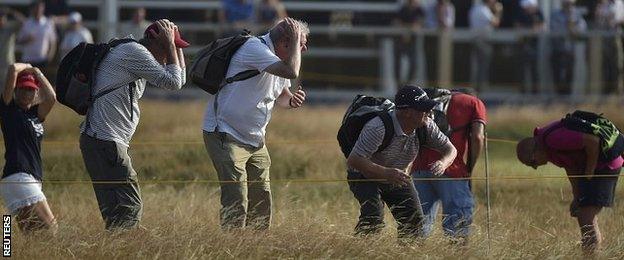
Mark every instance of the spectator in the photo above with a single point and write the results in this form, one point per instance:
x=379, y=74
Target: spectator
x=462, y=9
x=56, y=8
x=484, y=17
x=112, y=119
x=609, y=18
x=511, y=12
x=410, y=17
x=579, y=154
x=236, y=15
x=530, y=19
x=75, y=34
x=37, y=37
x=391, y=164
x=441, y=15
x=269, y=12
x=26, y=101
x=466, y=115
x=569, y=22
x=136, y=26
x=236, y=119
x=8, y=29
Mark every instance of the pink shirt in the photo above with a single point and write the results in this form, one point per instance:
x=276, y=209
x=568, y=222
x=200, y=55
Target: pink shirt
x=565, y=149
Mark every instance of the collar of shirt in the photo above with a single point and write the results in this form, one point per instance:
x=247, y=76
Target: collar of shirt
x=268, y=41
x=398, y=130
x=40, y=21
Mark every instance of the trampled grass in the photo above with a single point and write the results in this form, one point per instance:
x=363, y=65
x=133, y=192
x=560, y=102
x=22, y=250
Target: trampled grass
x=529, y=217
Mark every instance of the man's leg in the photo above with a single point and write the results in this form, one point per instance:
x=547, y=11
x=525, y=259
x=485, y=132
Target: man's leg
x=406, y=209
x=229, y=159
x=259, y=207
x=593, y=195
x=457, y=206
x=428, y=199
x=557, y=71
x=119, y=202
x=590, y=233
x=371, y=206
x=568, y=67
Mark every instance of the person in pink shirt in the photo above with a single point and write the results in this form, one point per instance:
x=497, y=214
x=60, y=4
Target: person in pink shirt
x=578, y=153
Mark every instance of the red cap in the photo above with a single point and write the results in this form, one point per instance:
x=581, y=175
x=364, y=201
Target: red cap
x=179, y=42
x=27, y=80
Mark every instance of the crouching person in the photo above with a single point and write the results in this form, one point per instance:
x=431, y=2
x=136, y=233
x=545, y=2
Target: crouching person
x=598, y=162
x=27, y=99
x=374, y=158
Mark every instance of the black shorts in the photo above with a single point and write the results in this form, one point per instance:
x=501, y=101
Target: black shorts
x=599, y=190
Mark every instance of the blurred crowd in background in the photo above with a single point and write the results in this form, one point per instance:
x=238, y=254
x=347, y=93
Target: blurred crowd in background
x=46, y=30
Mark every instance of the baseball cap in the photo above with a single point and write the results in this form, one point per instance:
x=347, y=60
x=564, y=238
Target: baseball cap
x=414, y=97
x=528, y=3
x=179, y=42
x=27, y=80
x=75, y=17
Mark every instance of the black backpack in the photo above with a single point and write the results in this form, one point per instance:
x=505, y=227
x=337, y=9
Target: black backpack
x=611, y=139
x=438, y=113
x=363, y=109
x=211, y=63
x=76, y=75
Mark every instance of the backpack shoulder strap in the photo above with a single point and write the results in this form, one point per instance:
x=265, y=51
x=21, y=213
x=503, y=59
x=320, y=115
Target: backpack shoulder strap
x=243, y=75
x=421, y=134
x=115, y=42
x=389, y=130
x=247, y=74
x=547, y=132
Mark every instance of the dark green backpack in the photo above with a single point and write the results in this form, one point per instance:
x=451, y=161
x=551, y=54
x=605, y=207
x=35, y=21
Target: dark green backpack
x=611, y=139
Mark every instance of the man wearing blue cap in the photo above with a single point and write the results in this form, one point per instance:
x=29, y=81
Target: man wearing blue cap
x=412, y=129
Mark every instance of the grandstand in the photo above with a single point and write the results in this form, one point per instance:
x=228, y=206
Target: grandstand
x=352, y=46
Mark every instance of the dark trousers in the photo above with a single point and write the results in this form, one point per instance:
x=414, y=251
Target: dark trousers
x=402, y=201
x=119, y=200
x=405, y=47
x=528, y=56
x=562, y=66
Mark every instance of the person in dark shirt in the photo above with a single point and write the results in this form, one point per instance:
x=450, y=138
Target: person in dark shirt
x=411, y=17
x=27, y=99
x=530, y=18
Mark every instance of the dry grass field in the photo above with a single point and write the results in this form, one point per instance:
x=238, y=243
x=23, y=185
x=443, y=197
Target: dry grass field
x=529, y=217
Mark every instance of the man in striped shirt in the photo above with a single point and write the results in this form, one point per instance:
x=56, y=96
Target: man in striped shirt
x=391, y=164
x=156, y=59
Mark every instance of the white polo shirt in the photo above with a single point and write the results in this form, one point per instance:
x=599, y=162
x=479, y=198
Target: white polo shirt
x=43, y=35
x=244, y=107
x=481, y=17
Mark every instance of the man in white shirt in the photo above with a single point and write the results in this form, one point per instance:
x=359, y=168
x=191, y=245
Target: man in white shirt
x=75, y=34
x=37, y=37
x=483, y=18
x=236, y=119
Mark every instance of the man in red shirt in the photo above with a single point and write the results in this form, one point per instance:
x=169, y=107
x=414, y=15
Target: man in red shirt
x=578, y=153
x=467, y=117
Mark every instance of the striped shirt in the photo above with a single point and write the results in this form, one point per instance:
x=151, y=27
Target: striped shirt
x=403, y=148
x=110, y=118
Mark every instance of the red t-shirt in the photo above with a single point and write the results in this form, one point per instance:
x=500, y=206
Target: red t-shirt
x=463, y=110
x=565, y=149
